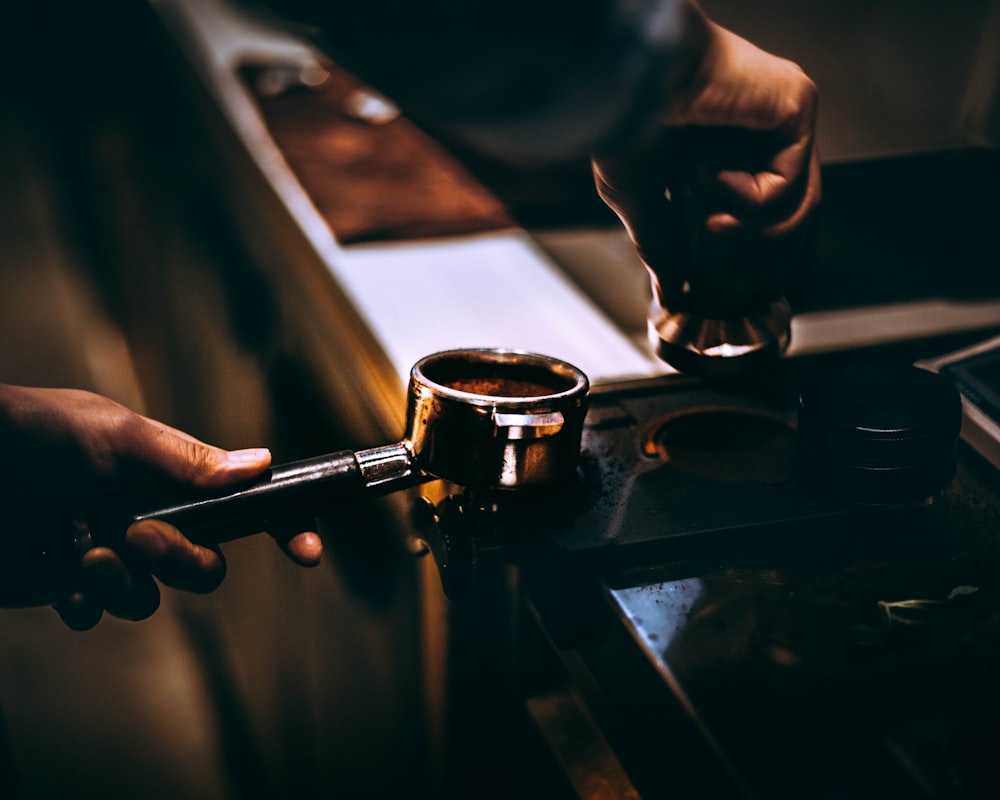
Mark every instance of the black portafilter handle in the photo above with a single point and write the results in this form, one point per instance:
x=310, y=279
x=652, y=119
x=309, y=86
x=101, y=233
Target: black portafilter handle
x=39, y=567
x=297, y=490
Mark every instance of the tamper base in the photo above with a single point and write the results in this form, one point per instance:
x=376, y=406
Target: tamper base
x=721, y=347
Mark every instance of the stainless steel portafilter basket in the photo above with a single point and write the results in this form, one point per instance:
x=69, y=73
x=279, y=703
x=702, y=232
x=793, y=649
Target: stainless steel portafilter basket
x=496, y=419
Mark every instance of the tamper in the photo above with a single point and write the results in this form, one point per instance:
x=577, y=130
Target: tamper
x=718, y=307
x=727, y=315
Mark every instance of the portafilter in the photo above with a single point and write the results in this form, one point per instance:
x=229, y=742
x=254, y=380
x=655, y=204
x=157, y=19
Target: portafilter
x=489, y=420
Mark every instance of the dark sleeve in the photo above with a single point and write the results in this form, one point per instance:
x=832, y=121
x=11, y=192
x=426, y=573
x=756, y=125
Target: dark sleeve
x=520, y=79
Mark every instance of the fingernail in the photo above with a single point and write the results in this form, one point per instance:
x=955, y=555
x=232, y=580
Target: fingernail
x=254, y=455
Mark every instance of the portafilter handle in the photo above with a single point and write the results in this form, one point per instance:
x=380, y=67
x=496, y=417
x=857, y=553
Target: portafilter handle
x=296, y=490
x=40, y=569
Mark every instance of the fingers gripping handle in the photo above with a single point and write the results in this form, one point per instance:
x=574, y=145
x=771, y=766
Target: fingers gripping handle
x=41, y=568
x=306, y=488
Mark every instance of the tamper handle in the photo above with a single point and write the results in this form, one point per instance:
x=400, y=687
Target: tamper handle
x=718, y=309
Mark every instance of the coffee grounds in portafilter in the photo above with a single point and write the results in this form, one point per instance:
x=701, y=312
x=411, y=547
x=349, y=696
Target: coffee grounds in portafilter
x=501, y=387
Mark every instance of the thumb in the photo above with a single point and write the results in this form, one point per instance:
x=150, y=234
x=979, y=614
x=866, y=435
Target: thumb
x=189, y=460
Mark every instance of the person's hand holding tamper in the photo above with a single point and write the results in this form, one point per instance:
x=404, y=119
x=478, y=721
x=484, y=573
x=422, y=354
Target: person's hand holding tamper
x=717, y=201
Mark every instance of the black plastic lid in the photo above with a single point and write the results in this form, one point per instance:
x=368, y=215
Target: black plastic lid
x=880, y=433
